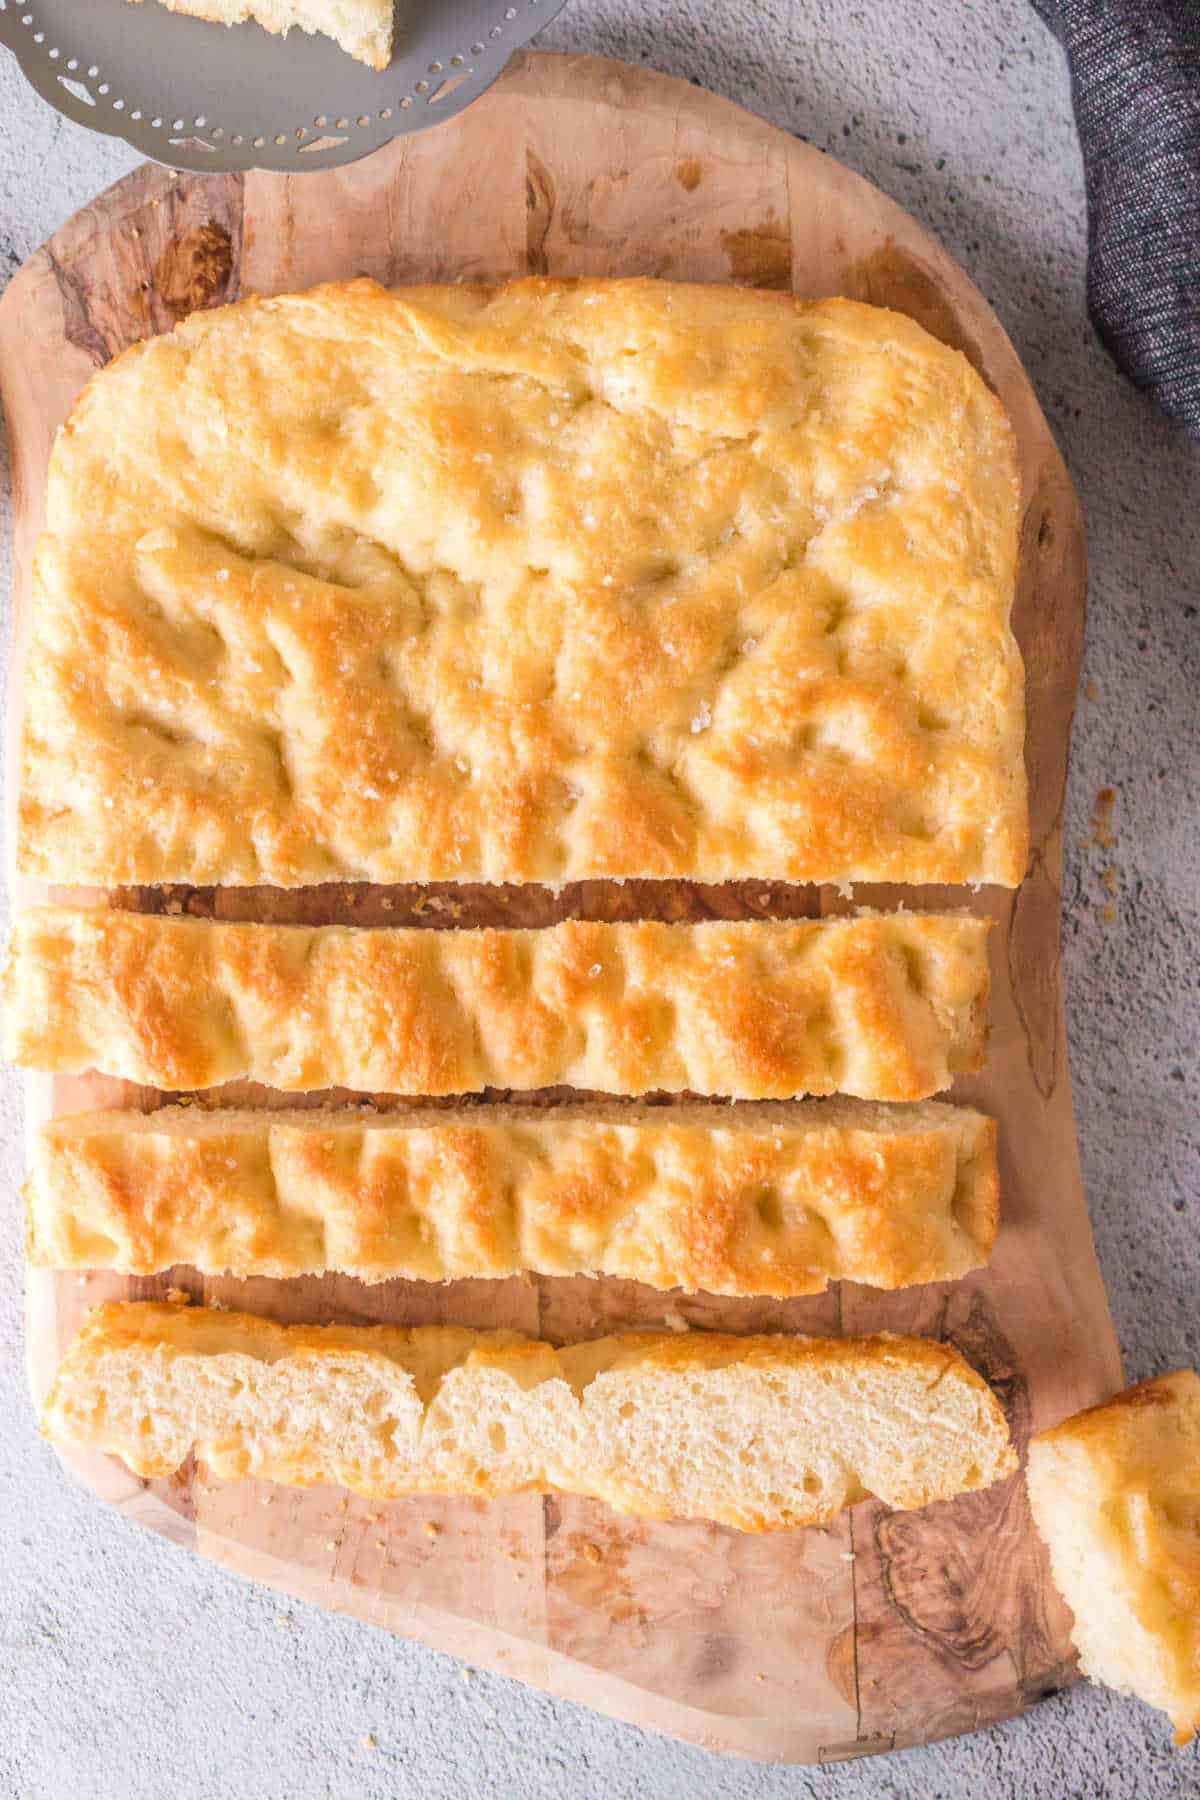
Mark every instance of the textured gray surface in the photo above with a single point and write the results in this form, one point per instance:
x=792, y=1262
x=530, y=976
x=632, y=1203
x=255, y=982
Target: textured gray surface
x=128, y=1669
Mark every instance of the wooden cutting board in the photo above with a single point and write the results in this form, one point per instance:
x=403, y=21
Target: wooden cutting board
x=883, y=1629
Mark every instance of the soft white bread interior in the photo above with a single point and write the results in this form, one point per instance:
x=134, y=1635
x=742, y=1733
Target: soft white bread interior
x=363, y=28
x=1115, y=1493
x=748, y=1199
x=753, y=1432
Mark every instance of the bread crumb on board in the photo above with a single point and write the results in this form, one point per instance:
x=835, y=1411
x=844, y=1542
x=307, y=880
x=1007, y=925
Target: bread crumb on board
x=1102, y=812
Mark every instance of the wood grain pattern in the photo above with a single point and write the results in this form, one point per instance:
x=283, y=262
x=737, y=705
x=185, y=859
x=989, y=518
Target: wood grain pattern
x=883, y=1629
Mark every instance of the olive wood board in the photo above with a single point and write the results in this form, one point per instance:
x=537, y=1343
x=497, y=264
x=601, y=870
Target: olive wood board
x=882, y=1629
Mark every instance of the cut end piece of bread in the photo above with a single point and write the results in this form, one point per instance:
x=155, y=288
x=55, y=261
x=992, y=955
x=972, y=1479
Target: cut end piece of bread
x=363, y=28
x=753, y=1432
x=1115, y=1493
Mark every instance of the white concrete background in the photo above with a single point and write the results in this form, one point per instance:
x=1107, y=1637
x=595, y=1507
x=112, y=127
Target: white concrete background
x=129, y=1670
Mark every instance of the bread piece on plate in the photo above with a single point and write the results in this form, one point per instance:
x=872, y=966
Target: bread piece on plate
x=754, y=1432
x=882, y=1007
x=1115, y=1493
x=361, y=27
x=560, y=580
x=768, y=1199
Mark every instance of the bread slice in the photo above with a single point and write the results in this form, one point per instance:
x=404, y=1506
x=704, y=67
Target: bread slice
x=1115, y=1493
x=361, y=27
x=750, y=1199
x=743, y=1200
x=883, y=1007
x=755, y=1432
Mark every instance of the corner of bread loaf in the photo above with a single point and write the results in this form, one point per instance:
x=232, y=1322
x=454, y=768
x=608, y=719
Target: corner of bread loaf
x=1112, y=1492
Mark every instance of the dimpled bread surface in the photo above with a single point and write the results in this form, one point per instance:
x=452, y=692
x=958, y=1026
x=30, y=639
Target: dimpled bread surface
x=732, y=1200
x=884, y=1007
x=563, y=580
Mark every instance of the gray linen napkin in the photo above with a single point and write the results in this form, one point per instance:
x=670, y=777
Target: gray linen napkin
x=1135, y=82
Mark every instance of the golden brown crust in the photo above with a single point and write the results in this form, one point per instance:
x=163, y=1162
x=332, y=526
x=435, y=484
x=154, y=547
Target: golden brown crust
x=212, y=1331
x=128, y=1385
x=883, y=1007
x=598, y=579
x=731, y=1200
x=1116, y=1429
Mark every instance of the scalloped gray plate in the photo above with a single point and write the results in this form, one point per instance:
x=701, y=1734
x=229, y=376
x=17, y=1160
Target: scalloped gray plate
x=227, y=98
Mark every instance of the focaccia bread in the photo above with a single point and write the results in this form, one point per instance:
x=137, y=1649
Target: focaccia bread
x=882, y=1007
x=362, y=27
x=1115, y=1492
x=617, y=579
x=754, y=1432
x=732, y=1200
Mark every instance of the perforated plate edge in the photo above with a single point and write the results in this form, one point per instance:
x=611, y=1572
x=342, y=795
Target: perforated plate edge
x=99, y=73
